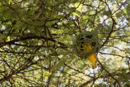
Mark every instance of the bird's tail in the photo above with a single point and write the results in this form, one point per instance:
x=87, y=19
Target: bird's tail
x=93, y=59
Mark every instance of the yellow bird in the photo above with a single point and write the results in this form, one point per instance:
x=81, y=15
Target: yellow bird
x=93, y=57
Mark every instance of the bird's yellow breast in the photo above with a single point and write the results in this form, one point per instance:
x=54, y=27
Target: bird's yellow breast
x=93, y=57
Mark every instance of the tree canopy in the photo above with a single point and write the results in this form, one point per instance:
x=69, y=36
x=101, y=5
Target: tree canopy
x=36, y=43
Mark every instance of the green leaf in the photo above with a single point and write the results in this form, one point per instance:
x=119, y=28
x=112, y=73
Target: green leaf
x=58, y=65
x=106, y=13
x=76, y=14
x=2, y=36
x=92, y=12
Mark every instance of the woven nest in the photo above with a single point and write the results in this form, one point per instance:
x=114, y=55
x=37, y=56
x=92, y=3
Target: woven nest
x=88, y=38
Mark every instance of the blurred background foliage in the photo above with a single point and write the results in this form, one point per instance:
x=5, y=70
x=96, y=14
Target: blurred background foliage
x=36, y=43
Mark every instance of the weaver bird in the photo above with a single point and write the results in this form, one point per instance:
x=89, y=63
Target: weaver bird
x=92, y=57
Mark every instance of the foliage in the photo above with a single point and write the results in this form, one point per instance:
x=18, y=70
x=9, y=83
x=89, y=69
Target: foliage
x=36, y=46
